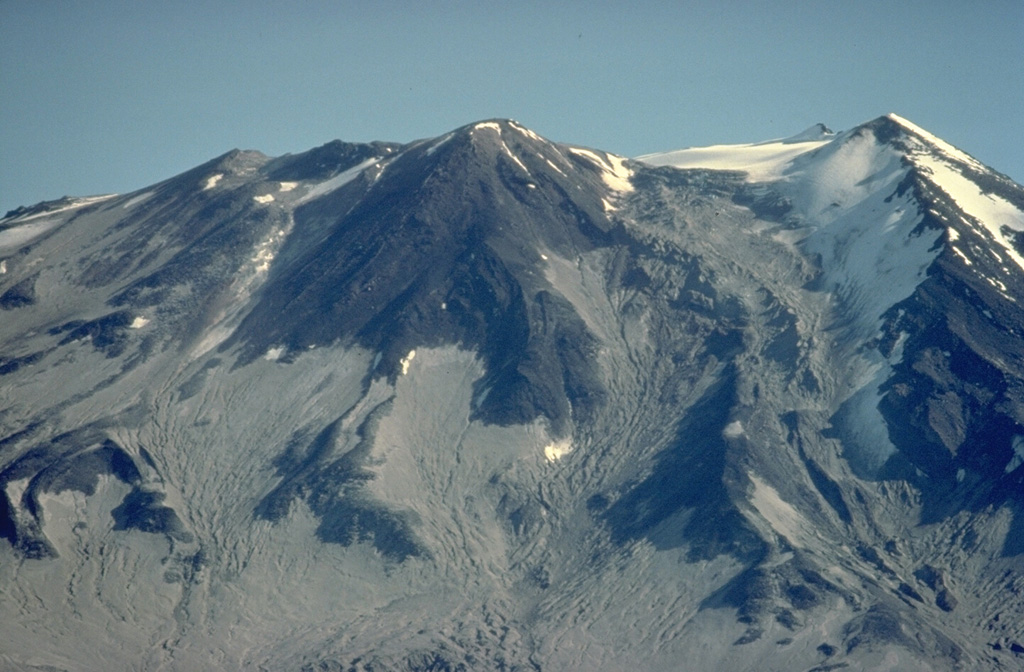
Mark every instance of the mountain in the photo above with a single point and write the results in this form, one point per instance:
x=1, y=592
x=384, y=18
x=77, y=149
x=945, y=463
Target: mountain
x=487, y=401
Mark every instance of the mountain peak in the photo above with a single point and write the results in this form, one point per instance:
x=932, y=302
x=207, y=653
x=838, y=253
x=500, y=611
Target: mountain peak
x=818, y=131
x=910, y=126
x=902, y=125
x=498, y=125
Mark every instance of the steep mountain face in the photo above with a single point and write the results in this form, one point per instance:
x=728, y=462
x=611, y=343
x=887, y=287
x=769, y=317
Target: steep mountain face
x=486, y=401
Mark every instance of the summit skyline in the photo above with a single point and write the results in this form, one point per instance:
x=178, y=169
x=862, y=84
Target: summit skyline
x=110, y=97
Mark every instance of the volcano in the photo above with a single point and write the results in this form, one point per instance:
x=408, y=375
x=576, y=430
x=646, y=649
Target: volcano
x=488, y=401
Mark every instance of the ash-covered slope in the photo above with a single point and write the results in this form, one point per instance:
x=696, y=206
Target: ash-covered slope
x=487, y=401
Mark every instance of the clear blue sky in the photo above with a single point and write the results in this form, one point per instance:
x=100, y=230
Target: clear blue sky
x=106, y=96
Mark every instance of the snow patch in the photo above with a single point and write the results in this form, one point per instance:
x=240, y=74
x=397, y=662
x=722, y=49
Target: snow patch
x=288, y=186
x=1000, y=287
x=139, y=322
x=212, y=181
x=962, y=256
x=433, y=147
x=552, y=164
x=3, y=267
x=264, y=253
x=556, y=450
x=514, y=157
x=621, y=171
x=733, y=430
x=614, y=172
x=490, y=125
x=274, y=354
x=336, y=182
x=265, y=198
x=406, y=361
x=525, y=131
x=89, y=200
x=137, y=199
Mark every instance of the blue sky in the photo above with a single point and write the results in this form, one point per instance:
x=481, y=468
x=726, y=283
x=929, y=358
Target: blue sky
x=104, y=96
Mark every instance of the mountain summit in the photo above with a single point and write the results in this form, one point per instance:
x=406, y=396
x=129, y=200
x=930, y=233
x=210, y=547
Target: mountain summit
x=488, y=401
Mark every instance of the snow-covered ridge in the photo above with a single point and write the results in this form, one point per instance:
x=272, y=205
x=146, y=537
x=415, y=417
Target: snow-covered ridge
x=992, y=216
x=937, y=142
x=991, y=213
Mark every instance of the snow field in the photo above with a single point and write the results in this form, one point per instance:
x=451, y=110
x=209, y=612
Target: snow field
x=763, y=162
